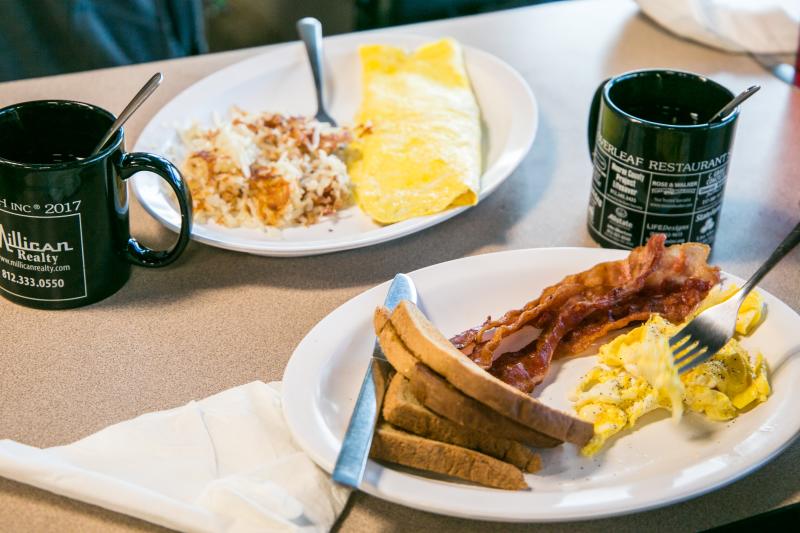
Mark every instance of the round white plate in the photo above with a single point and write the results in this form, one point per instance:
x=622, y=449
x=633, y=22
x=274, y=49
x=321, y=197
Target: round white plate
x=280, y=81
x=656, y=464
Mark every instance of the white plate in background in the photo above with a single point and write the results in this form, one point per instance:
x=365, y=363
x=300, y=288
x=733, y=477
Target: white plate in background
x=280, y=81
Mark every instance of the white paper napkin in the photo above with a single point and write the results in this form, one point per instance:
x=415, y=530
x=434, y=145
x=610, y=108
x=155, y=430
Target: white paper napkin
x=757, y=26
x=226, y=463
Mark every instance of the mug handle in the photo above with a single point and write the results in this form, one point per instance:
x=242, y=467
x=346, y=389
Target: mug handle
x=594, y=117
x=134, y=162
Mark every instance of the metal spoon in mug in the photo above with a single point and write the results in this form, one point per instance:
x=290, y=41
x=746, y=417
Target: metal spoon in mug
x=730, y=106
x=146, y=90
x=310, y=30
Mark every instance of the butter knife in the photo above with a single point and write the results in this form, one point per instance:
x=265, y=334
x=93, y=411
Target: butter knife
x=352, y=460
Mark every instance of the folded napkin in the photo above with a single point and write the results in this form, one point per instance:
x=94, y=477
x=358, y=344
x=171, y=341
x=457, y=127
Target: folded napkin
x=225, y=463
x=759, y=27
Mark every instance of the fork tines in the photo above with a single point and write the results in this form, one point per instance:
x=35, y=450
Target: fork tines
x=704, y=336
x=688, y=352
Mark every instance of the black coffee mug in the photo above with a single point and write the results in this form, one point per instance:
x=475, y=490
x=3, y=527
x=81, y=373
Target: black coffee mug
x=659, y=166
x=64, y=233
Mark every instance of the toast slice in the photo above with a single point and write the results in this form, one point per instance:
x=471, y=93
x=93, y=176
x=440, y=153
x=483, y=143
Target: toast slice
x=428, y=344
x=393, y=348
x=439, y=396
x=403, y=410
x=396, y=446
x=435, y=393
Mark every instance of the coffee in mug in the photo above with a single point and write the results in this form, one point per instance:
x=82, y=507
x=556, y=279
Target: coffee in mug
x=64, y=233
x=659, y=166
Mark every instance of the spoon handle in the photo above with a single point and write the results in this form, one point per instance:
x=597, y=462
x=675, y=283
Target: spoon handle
x=310, y=30
x=730, y=106
x=146, y=90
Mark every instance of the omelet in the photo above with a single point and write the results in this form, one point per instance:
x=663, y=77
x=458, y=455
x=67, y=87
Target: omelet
x=636, y=375
x=417, y=144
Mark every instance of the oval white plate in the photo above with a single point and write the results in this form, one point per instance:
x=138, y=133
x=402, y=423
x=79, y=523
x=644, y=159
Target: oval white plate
x=280, y=81
x=656, y=464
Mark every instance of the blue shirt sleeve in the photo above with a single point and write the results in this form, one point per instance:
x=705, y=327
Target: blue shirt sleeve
x=44, y=37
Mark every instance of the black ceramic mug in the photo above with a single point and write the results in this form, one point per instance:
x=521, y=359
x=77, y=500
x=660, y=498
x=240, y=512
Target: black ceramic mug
x=64, y=234
x=659, y=166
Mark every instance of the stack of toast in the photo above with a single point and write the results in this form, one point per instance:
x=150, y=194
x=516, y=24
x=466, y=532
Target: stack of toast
x=444, y=414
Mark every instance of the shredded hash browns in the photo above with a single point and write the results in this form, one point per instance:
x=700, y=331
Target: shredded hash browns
x=265, y=169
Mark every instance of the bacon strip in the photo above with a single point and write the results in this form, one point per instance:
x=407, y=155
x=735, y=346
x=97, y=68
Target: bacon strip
x=674, y=302
x=586, y=306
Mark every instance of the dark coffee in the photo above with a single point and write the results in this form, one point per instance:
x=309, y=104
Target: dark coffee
x=37, y=157
x=664, y=114
x=30, y=137
x=64, y=232
x=659, y=167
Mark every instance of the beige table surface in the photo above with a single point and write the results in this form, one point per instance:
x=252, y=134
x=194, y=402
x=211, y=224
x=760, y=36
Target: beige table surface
x=218, y=319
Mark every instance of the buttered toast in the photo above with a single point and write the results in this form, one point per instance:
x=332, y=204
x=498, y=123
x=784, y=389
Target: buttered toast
x=396, y=446
x=402, y=409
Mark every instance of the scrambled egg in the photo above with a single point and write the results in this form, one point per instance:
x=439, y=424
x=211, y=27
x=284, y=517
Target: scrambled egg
x=636, y=375
x=417, y=145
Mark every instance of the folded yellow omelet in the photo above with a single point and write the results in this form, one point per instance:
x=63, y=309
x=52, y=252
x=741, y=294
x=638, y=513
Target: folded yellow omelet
x=417, y=149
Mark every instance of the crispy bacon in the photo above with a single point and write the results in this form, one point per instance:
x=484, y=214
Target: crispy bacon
x=584, y=307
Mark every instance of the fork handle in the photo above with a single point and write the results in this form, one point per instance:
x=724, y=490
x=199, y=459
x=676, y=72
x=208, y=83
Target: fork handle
x=310, y=30
x=783, y=248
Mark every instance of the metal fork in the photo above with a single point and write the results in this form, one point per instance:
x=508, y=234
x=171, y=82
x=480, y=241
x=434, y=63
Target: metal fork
x=310, y=30
x=704, y=336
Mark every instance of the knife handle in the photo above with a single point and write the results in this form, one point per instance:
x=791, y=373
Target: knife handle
x=352, y=460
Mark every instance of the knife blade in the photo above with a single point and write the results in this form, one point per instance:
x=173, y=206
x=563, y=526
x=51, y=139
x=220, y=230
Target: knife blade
x=352, y=460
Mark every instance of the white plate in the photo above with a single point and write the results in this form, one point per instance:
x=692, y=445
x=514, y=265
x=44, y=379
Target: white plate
x=280, y=81
x=656, y=464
